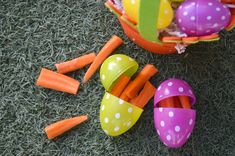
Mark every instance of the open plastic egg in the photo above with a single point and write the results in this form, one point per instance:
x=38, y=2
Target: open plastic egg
x=116, y=115
x=174, y=125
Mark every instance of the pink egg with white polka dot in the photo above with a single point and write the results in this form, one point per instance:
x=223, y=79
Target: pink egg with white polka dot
x=174, y=125
x=202, y=17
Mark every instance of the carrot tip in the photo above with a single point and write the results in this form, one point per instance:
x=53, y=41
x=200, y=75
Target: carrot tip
x=107, y=49
x=62, y=126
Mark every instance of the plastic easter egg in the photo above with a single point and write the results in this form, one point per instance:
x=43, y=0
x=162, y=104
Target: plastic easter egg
x=117, y=116
x=131, y=8
x=115, y=66
x=202, y=17
x=174, y=125
x=174, y=87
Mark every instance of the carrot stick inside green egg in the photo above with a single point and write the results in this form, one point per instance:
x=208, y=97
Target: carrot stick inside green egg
x=144, y=96
x=120, y=85
x=124, y=96
x=137, y=84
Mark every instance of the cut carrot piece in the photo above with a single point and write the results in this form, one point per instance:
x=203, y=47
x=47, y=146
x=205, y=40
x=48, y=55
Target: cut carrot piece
x=160, y=104
x=144, y=96
x=185, y=102
x=108, y=48
x=137, y=84
x=177, y=102
x=62, y=126
x=75, y=64
x=120, y=85
x=232, y=10
x=124, y=97
x=56, y=81
x=168, y=102
x=228, y=1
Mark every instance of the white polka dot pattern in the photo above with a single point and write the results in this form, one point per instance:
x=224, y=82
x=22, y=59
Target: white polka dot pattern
x=117, y=116
x=106, y=120
x=173, y=87
x=174, y=126
x=171, y=114
x=212, y=16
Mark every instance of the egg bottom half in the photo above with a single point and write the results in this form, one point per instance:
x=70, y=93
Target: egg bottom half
x=117, y=116
x=174, y=125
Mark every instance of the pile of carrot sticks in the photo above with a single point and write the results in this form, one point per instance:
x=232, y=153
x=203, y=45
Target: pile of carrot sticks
x=175, y=102
x=138, y=91
x=60, y=82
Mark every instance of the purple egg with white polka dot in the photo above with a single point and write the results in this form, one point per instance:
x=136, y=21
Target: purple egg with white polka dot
x=174, y=125
x=202, y=17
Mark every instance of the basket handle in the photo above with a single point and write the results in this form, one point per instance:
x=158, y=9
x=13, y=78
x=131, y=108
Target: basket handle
x=148, y=11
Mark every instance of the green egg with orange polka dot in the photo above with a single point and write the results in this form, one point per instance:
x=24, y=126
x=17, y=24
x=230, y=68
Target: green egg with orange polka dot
x=116, y=115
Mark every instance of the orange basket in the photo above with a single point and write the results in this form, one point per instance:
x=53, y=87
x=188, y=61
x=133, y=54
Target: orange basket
x=149, y=41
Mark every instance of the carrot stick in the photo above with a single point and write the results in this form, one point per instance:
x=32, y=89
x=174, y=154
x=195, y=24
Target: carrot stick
x=62, y=126
x=185, y=102
x=160, y=105
x=168, y=102
x=137, y=84
x=75, y=64
x=120, y=85
x=124, y=97
x=144, y=96
x=177, y=102
x=56, y=81
x=108, y=48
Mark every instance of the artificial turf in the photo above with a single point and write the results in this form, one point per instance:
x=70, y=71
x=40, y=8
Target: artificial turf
x=35, y=34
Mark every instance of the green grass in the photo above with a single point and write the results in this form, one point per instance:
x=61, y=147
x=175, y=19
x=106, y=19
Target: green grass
x=35, y=34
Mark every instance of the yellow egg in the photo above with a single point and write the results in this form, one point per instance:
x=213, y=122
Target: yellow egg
x=131, y=8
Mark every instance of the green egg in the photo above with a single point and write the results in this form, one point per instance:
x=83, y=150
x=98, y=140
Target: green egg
x=117, y=116
x=115, y=66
